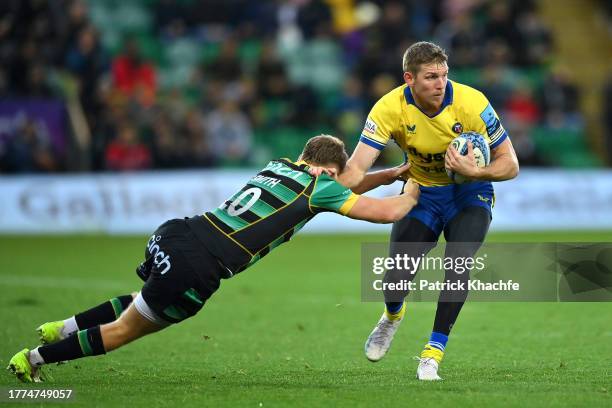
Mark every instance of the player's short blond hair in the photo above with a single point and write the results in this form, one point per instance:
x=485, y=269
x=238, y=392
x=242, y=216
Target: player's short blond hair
x=420, y=53
x=325, y=149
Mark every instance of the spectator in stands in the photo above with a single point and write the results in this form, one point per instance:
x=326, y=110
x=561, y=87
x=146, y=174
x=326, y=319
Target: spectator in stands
x=299, y=87
x=27, y=55
x=463, y=37
x=76, y=19
x=29, y=151
x=167, y=150
x=350, y=108
x=522, y=106
x=36, y=82
x=226, y=67
x=197, y=145
x=523, y=144
x=88, y=62
x=501, y=27
x=230, y=133
x=313, y=17
x=127, y=152
x=273, y=88
x=560, y=100
x=536, y=38
x=133, y=76
x=393, y=29
x=496, y=83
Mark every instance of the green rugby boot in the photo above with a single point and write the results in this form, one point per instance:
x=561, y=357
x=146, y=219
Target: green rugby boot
x=50, y=332
x=20, y=366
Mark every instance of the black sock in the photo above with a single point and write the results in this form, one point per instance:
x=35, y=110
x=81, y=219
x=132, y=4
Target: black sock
x=81, y=344
x=446, y=316
x=104, y=313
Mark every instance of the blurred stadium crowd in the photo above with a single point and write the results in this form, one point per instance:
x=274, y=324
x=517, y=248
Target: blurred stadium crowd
x=171, y=84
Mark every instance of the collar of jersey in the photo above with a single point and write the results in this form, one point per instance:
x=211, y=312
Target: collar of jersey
x=298, y=165
x=448, y=98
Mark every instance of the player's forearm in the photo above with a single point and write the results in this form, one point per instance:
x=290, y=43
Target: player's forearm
x=371, y=181
x=399, y=206
x=503, y=167
x=351, y=176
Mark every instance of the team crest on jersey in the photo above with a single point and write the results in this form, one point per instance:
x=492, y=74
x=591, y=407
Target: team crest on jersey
x=370, y=127
x=411, y=129
x=458, y=128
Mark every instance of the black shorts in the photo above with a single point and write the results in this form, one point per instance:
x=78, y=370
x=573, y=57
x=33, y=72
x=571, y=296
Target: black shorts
x=179, y=273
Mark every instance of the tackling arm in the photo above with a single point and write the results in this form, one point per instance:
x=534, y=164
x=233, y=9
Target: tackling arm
x=388, y=209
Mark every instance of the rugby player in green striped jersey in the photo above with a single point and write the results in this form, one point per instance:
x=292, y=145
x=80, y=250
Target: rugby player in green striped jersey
x=185, y=259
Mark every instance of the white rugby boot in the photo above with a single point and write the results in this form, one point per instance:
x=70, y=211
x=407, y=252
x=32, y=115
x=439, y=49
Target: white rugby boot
x=429, y=361
x=428, y=369
x=380, y=339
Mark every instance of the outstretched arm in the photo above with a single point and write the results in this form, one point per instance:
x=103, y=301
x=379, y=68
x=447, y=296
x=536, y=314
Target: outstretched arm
x=388, y=209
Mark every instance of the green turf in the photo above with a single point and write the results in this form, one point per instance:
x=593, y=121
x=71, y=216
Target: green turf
x=290, y=331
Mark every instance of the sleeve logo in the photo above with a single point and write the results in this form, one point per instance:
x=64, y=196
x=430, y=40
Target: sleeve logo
x=370, y=127
x=489, y=117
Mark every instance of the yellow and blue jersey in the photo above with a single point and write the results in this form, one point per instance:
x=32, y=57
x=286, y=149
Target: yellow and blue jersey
x=424, y=138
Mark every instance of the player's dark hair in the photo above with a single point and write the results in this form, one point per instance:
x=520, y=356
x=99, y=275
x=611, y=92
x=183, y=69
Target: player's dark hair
x=421, y=53
x=325, y=149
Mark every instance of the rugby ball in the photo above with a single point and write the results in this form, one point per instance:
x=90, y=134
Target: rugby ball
x=482, y=153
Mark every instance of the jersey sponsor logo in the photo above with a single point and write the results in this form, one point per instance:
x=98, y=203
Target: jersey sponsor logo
x=457, y=128
x=159, y=257
x=370, y=127
x=411, y=129
x=429, y=169
x=490, y=119
x=426, y=157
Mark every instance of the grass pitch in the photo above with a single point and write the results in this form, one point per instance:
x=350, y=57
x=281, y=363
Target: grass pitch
x=290, y=331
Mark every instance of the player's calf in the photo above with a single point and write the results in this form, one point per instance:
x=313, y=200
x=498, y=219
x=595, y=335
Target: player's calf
x=52, y=332
x=129, y=327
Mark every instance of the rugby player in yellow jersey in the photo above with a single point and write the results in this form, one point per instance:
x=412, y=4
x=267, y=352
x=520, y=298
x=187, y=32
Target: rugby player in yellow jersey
x=422, y=117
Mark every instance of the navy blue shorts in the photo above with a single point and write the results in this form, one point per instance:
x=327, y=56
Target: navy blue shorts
x=438, y=205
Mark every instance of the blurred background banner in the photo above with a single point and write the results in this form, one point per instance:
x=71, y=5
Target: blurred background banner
x=36, y=116
x=48, y=117
x=554, y=199
x=135, y=203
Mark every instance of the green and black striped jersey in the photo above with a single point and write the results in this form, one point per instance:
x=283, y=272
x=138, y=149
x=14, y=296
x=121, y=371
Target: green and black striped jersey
x=274, y=205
